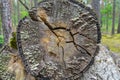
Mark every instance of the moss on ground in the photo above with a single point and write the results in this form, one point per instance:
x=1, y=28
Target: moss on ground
x=112, y=42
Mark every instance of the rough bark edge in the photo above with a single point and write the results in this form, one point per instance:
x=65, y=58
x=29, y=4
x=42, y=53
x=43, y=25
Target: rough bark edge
x=103, y=68
x=20, y=50
x=93, y=14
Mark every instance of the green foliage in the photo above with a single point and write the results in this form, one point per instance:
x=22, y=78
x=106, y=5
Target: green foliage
x=113, y=42
x=107, y=9
x=106, y=15
x=23, y=13
x=1, y=39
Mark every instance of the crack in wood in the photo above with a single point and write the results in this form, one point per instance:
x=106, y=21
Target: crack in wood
x=73, y=41
x=78, y=47
x=63, y=57
x=59, y=28
x=72, y=35
x=93, y=41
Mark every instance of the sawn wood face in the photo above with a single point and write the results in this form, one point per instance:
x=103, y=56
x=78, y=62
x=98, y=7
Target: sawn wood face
x=67, y=48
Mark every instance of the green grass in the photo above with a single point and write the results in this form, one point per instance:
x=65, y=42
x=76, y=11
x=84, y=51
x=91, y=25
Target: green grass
x=112, y=42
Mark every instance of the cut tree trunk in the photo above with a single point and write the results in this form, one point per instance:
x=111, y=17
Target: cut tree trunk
x=63, y=46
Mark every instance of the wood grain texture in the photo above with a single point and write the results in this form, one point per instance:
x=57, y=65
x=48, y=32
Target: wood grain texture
x=64, y=47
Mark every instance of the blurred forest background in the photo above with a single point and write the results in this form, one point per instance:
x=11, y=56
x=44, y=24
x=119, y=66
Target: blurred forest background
x=108, y=12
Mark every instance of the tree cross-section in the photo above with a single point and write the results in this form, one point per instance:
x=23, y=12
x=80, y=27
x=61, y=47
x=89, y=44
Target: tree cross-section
x=64, y=45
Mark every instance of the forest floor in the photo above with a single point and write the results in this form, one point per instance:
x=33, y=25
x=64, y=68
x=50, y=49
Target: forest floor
x=112, y=42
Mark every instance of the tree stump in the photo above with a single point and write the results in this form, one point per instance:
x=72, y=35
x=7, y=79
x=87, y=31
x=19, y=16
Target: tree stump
x=64, y=51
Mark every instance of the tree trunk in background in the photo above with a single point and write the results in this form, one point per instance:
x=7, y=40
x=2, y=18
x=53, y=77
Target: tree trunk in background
x=113, y=20
x=0, y=18
x=6, y=19
x=14, y=14
x=35, y=3
x=107, y=23
x=0, y=27
x=31, y=3
x=101, y=21
x=118, y=30
x=18, y=11
x=96, y=6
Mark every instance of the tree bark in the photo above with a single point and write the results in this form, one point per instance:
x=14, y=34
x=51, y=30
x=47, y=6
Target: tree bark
x=6, y=20
x=118, y=29
x=96, y=6
x=35, y=3
x=107, y=20
x=0, y=23
x=103, y=68
x=18, y=10
x=0, y=19
x=113, y=20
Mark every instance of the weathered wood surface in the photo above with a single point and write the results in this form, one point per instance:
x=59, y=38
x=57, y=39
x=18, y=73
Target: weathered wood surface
x=103, y=68
x=67, y=49
x=116, y=59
